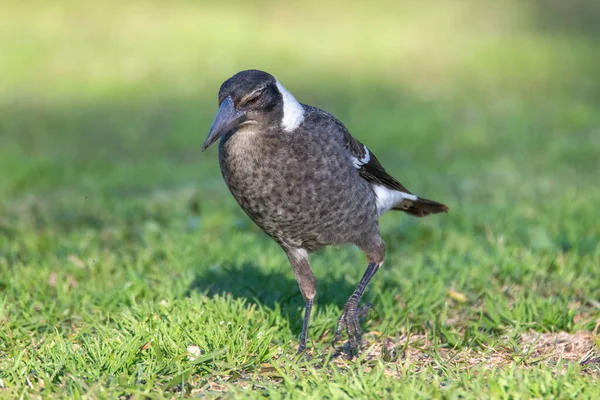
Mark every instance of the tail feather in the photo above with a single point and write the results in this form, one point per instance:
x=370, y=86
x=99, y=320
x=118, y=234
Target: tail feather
x=421, y=207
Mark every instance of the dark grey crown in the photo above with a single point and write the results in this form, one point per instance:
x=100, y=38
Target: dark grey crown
x=251, y=89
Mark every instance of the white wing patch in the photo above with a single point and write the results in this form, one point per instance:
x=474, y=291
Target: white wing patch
x=293, y=112
x=358, y=162
x=388, y=198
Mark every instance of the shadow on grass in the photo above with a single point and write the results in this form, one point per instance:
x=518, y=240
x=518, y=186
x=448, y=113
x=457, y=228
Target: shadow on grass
x=268, y=289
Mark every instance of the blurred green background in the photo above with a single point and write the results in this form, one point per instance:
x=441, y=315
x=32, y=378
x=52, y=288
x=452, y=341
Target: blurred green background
x=115, y=96
x=491, y=107
x=481, y=104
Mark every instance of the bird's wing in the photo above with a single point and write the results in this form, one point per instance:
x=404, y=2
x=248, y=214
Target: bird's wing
x=393, y=194
x=368, y=166
x=385, y=185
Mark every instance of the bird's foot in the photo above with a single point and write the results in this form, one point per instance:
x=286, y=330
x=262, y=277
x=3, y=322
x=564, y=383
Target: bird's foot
x=349, y=320
x=301, y=348
x=302, y=355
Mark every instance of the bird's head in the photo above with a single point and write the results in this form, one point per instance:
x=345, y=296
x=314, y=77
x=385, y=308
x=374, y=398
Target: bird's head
x=253, y=97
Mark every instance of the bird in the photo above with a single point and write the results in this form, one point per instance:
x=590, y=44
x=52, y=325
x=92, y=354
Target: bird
x=300, y=175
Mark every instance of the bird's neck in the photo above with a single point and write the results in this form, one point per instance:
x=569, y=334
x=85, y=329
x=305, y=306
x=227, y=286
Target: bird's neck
x=250, y=141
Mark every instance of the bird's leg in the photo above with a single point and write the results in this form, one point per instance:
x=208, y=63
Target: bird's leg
x=349, y=318
x=303, y=335
x=306, y=281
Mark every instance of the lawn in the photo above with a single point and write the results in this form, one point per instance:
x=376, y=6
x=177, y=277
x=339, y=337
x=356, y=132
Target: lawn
x=128, y=270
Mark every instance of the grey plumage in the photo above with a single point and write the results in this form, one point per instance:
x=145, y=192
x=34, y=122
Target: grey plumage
x=299, y=175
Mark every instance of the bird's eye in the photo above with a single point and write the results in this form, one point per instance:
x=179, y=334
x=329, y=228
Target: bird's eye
x=252, y=99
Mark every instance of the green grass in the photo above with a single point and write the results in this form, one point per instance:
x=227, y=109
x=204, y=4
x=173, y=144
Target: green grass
x=120, y=245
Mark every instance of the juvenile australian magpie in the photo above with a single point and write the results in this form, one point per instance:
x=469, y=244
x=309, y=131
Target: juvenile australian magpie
x=300, y=176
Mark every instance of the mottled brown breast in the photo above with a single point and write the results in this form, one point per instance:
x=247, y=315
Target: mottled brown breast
x=300, y=187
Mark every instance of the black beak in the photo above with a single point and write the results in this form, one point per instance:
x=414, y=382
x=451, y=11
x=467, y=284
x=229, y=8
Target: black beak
x=227, y=119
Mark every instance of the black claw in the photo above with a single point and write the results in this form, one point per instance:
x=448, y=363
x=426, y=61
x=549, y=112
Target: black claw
x=350, y=321
x=349, y=317
x=340, y=325
x=353, y=328
x=364, y=310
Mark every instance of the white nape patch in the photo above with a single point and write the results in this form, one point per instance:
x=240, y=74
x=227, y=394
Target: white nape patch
x=362, y=161
x=388, y=198
x=293, y=112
